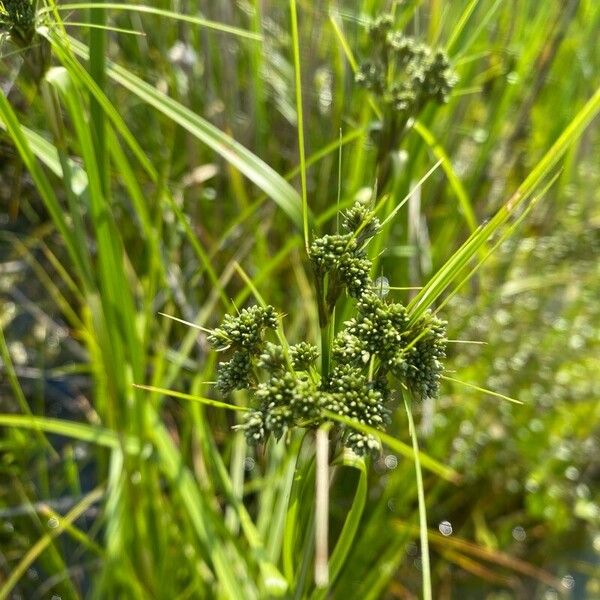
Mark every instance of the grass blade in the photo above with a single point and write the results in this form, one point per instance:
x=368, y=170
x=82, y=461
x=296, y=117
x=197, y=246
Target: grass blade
x=261, y=174
x=426, y=570
x=160, y=12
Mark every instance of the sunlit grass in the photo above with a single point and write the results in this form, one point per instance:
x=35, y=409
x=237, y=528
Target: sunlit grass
x=110, y=422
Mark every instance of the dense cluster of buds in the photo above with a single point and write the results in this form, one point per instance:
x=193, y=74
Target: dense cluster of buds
x=405, y=73
x=340, y=261
x=18, y=21
x=378, y=343
x=17, y=17
x=381, y=333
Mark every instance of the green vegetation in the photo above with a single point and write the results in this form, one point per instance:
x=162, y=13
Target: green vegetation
x=299, y=299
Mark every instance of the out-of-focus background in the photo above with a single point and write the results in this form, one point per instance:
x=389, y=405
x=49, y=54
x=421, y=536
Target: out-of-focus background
x=97, y=239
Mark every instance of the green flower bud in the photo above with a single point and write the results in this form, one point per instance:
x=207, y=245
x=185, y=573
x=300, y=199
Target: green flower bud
x=303, y=356
x=272, y=358
x=235, y=374
x=245, y=330
x=253, y=427
x=361, y=220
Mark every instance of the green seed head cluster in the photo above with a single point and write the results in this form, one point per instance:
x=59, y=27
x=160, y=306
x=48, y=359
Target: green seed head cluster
x=381, y=341
x=17, y=17
x=341, y=257
x=420, y=363
x=272, y=357
x=235, y=374
x=245, y=331
x=406, y=74
x=351, y=394
x=303, y=356
x=360, y=220
x=381, y=333
x=244, y=334
x=286, y=401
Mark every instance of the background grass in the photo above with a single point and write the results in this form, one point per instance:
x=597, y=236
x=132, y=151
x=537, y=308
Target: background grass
x=134, y=182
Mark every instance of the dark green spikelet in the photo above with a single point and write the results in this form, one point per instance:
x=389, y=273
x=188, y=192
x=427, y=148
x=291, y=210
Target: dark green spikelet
x=405, y=50
x=327, y=251
x=287, y=400
x=341, y=257
x=354, y=271
x=381, y=330
x=420, y=362
x=349, y=393
x=17, y=18
x=377, y=330
x=235, y=374
x=405, y=73
x=380, y=28
x=272, y=357
x=253, y=427
x=360, y=219
x=244, y=331
x=371, y=76
x=425, y=359
x=439, y=78
x=17, y=13
x=303, y=356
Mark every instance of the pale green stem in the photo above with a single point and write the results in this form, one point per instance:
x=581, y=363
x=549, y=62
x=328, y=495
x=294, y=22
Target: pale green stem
x=426, y=570
x=322, y=507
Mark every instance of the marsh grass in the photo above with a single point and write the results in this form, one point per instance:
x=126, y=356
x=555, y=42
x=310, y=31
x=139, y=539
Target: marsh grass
x=145, y=184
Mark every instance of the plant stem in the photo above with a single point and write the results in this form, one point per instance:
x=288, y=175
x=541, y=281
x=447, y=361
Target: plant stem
x=322, y=507
x=427, y=595
x=322, y=473
x=300, y=119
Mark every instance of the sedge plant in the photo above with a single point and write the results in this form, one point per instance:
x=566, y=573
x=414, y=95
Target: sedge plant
x=178, y=471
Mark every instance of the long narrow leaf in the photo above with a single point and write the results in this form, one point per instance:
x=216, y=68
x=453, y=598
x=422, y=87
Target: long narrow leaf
x=261, y=174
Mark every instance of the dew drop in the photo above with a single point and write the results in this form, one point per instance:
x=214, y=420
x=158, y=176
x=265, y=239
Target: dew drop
x=391, y=461
x=568, y=582
x=572, y=473
x=411, y=549
x=382, y=286
x=519, y=534
x=52, y=523
x=445, y=528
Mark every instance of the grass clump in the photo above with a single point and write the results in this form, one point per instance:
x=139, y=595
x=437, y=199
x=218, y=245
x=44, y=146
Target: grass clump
x=137, y=183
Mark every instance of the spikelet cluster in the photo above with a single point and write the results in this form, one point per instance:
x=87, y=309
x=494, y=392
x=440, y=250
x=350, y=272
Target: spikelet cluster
x=405, y=73
x=379, y=343
x=17, y=17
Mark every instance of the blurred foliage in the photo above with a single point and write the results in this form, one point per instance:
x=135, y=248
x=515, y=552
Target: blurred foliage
x=524, y=521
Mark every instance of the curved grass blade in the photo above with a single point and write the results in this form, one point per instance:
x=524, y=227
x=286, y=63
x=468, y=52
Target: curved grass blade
x=455, y=183
x=13, y=127
x=37, y=549
x=426, y=569
x=458, y=261
x=160, y=12
x=300, y=119
x=400, y=447
x=94, y=434
x=482, y=390
x=255, y=169
x=183, y=396
x=81, y=75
